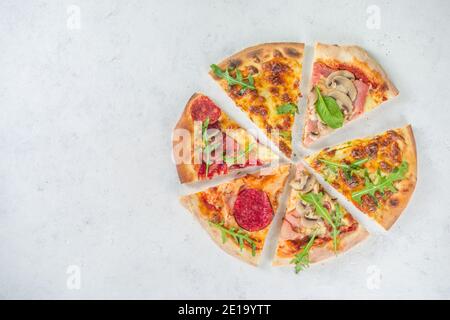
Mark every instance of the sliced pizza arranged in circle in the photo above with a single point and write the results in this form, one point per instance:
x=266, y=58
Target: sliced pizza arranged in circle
x=345, y=83
x=208, y=143
x=238, y=214
x=264, y=81
x=377, y=174
x=316, y=226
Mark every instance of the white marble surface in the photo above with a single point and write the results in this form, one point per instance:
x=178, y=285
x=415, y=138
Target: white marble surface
x=86, y=177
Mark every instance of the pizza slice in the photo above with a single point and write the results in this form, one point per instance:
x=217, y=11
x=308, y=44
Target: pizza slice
x=345, y=83
x=238, y=214
x=264, y=81
x=315, y=226
x=377, y=174
x=208, y=143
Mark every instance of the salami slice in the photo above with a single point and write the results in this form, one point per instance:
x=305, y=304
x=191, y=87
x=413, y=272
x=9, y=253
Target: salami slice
x=203, y=108
x=252, y=210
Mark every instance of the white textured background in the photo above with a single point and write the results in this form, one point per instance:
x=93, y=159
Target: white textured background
x=87, y=105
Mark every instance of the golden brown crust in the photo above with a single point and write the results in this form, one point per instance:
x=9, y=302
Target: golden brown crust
x=186, y=171
x=255, y=55
x=271, y=182
x=398, y=202
x=321, y=253
x=190, y=202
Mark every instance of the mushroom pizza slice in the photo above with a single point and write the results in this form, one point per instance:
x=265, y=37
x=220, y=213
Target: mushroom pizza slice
x=316, y=226
x=345, y=83
x=264, y=81
x=238, y=214
x=377, y=174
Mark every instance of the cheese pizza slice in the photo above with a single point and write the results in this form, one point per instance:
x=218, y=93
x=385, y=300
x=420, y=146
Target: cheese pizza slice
x=345, y=83
x=264, y=81
x=238, y=214
x=208, y=143
x=315, y=226
x=377, y=174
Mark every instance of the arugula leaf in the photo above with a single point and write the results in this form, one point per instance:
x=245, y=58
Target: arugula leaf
x=329, y=111
x=287, y=108
x=242, y=153
x=245, y=83
x=316, y=200
x=348, y=169
x=337, y=219
x=301, y=259
x=207, y=147
x=382, y=182
x=285, y=134
x=238, y=235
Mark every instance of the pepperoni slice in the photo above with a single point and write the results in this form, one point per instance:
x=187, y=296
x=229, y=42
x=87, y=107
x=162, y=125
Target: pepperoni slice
x=252, y=210
x=203, y=108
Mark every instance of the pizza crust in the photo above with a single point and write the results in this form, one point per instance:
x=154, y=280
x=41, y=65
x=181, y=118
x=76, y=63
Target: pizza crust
x=391, y=213
x=190, y=202
x=186, y=171
x=261, y=52
x=346, y=54
x=317, y=254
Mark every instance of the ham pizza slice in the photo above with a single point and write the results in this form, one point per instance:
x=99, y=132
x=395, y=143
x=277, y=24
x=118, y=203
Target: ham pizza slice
x=208, y=143
x=238, y=214
x=264, y=81
x=377, y=174
x=316, y=226
x=345, y=83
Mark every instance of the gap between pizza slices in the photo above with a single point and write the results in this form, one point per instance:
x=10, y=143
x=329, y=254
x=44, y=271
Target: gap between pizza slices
x=345, y=83
x=377, y=174
x=238, y=214
x=316, y=226
x=208, y=143
x=264, y=82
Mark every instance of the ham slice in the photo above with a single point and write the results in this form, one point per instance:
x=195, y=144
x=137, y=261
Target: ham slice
x=310, y=126
x=360, y=100
x=320, y=70
x=290, y=222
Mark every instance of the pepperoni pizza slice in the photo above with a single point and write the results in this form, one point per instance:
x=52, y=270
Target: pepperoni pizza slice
x=316, y=226
x=208, y=143
x=345, y=83
x=238, y=214
x=264, y=81
x=377, y=174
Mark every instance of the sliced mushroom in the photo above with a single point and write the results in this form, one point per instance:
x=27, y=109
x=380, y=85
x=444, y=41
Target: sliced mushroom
x=306, y=211
x=343, y=85
x=340, y=73
x=342, y=100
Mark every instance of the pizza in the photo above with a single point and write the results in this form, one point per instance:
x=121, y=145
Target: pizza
x=264, y=81
x=316, y=226
x=238, y=214
x=377, y=174
x=208, y=143
x=345, y=83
